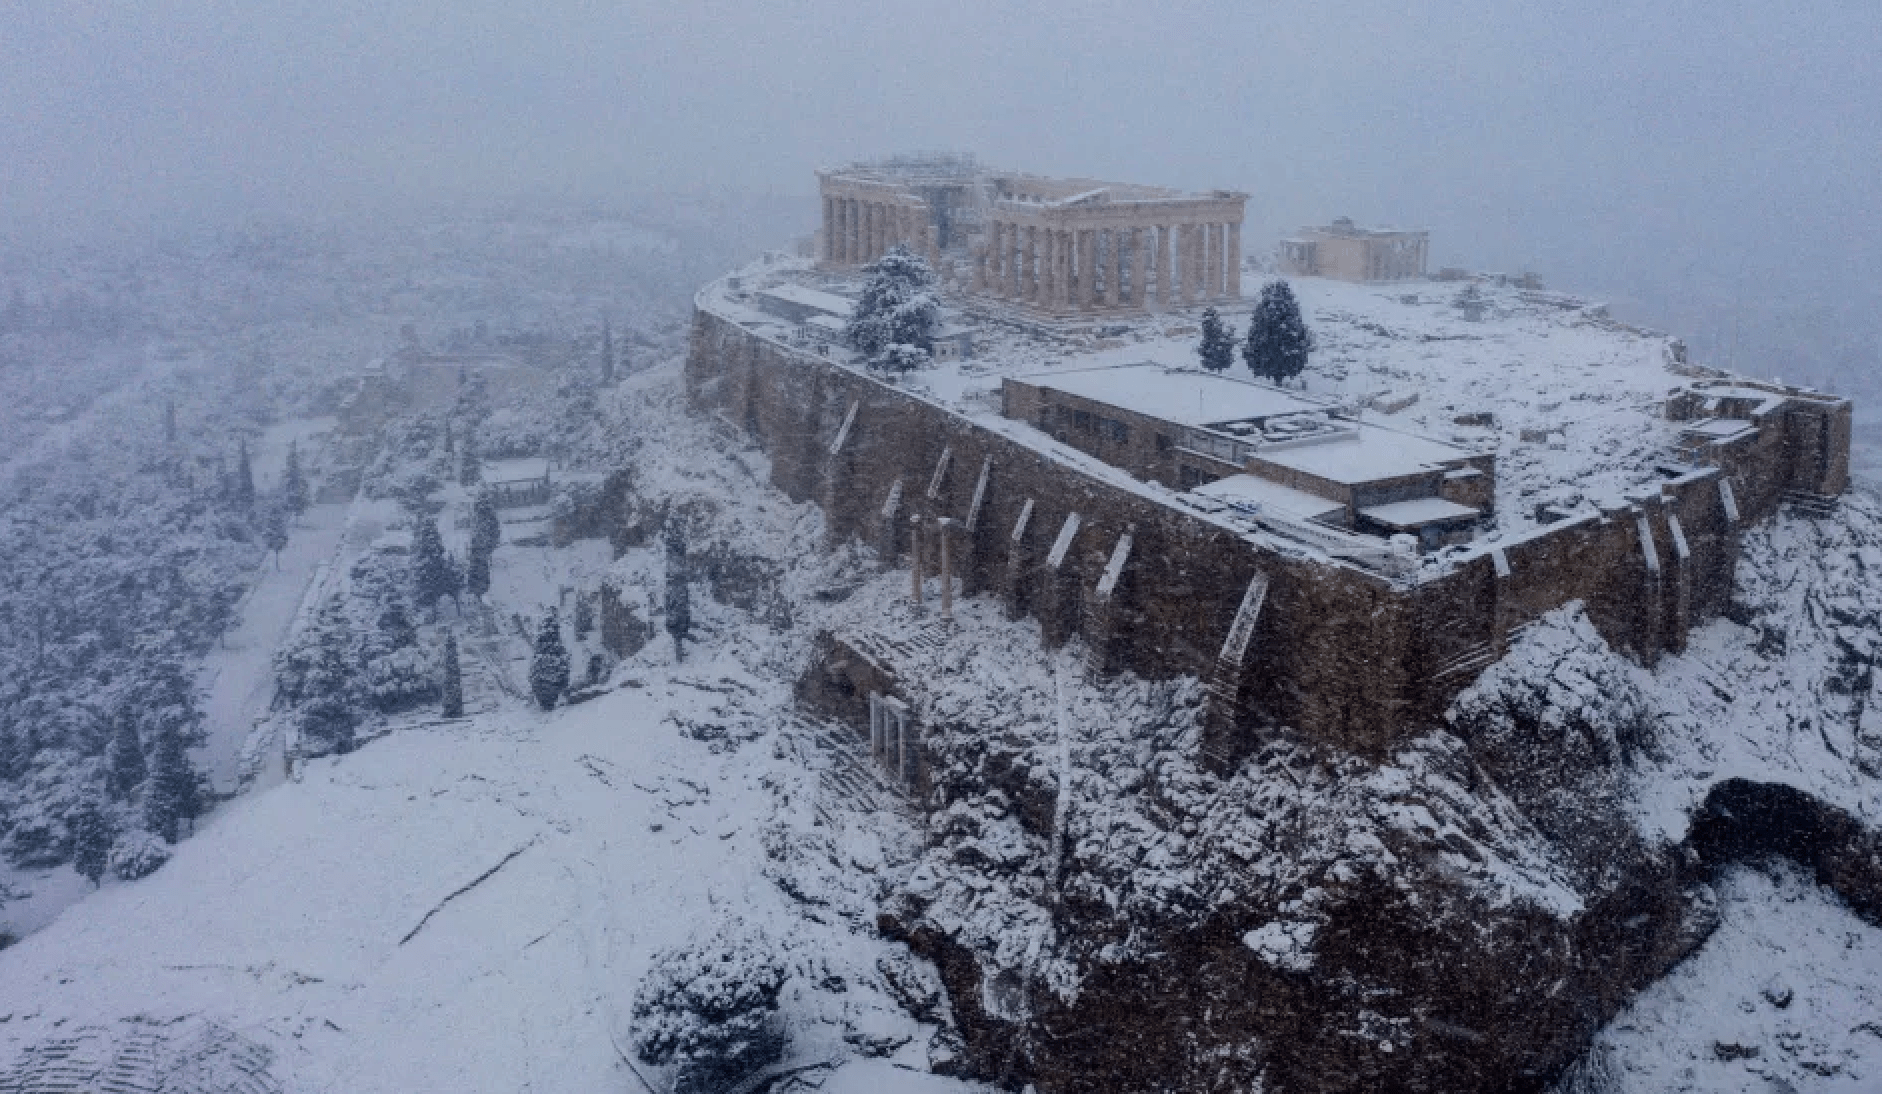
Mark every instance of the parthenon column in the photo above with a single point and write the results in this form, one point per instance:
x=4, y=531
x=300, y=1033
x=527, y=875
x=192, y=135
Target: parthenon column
x=1160, y=243
x=1062, y=264
x=1192, y=275
x=1087, y=258
x=1138, y=267
x=1049, y=267
x=1115, y=275
x=866, y=213
x=1235, y=260
x=1009, y=258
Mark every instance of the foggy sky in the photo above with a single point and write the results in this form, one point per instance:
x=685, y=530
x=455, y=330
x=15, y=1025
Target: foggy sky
x=1695, y=144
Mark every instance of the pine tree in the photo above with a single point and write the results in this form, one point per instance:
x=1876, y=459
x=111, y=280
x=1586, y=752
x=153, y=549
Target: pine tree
x=175, y=794
x=276, y=533
x=1278, y=339
x=91, y=832
x=607, y=353
x=294, y=482
x=549, y=669
x=897, y=308
x=679, y=594
x=452, y=686
x=1217, y=348
x=124, y=760
x=244, y=479
x=431, y=575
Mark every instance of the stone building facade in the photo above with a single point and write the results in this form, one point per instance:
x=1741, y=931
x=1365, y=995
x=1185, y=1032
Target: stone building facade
x=1350, y=253
x=1051, y=246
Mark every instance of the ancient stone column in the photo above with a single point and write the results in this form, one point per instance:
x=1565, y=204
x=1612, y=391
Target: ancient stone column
x=1235, y=260
x=1192, y=263
x=1138, y=267
x=1087, y=255
x=943, y=527
x=1009, y=257
x=1114, y=280
x=1066, y=243
x=1029, y=286
x=914, y=562
x=1164, y=297
x=1048, y=267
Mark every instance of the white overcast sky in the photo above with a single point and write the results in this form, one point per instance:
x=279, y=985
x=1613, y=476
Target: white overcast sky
x=1611, y=140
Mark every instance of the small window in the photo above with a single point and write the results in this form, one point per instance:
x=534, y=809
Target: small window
x=1163, y=442
x=1115, y=431
x=1081, y=419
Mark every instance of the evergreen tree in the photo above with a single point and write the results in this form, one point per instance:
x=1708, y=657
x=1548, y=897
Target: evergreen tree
x=486, y=529
x=1217, y=349
x=244, y=479
x=549, y=669
x=607, y=353
x=477, y=574
x=91, y=833
x=584, y=620
x=452, y=686
x=169, y=421
x=679, y=594
x=175, y=794
x=894, y=319
x=470, y=468
x=431, y=574
x=1278, y=339
x=124, y=759
x=276, y=533
x=294, y=482
x=450, y=446
x=454, y=582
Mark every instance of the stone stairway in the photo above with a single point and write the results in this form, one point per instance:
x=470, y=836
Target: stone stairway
x=1807, y=504
x=847, y=779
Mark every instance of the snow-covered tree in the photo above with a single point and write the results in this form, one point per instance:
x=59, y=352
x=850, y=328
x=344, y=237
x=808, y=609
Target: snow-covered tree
x=549, y=667
x=244, y=486
x=1217, y=348
x=175, y=793
x=470, y=466
x=451, y=680
x=92, y=836
x=897, y=308
x=124, y=758
x=1278, y=341
x=486, y=529
x=294, y=482
x=275, y=533
x=708, y=1009
x=679, y=602
x=584, y=618
x=477, y=573
x=431, y=571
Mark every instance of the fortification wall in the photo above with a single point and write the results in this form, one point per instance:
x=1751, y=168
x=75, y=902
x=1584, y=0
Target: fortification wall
x=1337, y=653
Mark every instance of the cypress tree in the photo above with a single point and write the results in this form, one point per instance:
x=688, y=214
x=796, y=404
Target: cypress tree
x=91, y=839
x=244, y=478
x=477, y=573
x=1217, y=348
x=1278, y=339
x=294, y=484
x=124, y=760
x=174, y=795
x=486, y=529
x=470, y=470
x=452, y=686
x=607, y=353
x=679, y=595
x=431, y=576
x=276, y=533
x=549, y=669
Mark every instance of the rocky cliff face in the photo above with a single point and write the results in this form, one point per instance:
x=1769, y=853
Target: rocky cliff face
x=1108, y=915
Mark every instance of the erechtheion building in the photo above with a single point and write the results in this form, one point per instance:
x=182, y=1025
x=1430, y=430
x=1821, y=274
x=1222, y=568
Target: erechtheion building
x=1053, y=246
x=1350, y=253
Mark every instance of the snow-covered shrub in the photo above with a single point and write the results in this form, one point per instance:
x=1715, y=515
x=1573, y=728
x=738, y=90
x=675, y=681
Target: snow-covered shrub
x=401, y=679
x=708, y=1009
x=136, y=853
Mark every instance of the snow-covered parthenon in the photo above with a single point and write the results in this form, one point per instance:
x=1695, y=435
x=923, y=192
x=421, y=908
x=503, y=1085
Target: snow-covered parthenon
x=1050, y=245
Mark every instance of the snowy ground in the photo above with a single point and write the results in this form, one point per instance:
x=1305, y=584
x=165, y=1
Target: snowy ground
x=1785, y=996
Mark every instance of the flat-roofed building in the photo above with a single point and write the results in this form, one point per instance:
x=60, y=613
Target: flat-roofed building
x=1300, y=456
x=1347, y=252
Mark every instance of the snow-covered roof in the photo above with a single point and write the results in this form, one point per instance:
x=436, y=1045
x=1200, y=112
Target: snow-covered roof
x=1189, y=397
x=1367, y=454
x=531, y=469
x=1253, y=493
x=1418, y=512
x=802, y=296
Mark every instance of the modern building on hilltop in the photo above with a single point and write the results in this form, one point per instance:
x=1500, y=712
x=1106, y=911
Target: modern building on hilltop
x=1350, y=253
